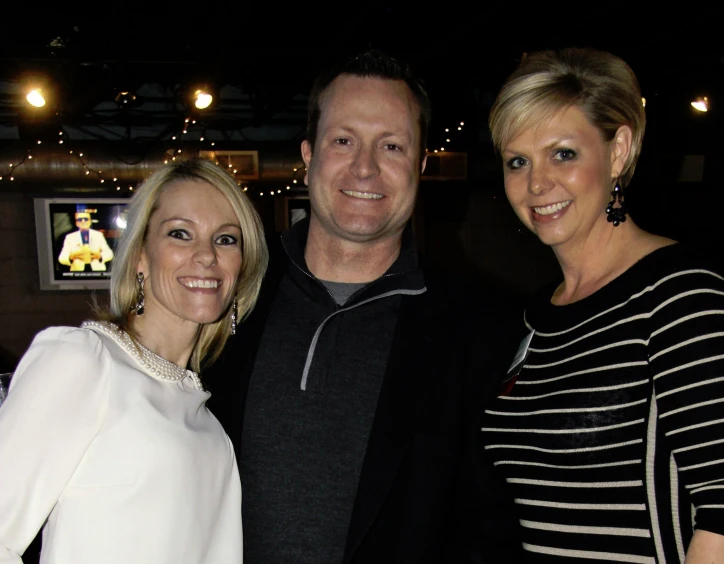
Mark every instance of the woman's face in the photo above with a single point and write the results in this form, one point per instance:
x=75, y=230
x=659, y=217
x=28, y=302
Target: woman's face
x=192, y=256
x=558, y=178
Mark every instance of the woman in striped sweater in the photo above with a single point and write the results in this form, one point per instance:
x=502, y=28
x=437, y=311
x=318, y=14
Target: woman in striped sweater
x=610, y=430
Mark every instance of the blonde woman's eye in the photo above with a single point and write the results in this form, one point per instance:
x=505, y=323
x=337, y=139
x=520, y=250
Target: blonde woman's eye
x=179, y=234
x=226, y=240
x=515, y=163
x=565, y=154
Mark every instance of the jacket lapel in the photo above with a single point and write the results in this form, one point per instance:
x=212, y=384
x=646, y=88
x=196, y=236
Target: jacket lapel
x=395, y=419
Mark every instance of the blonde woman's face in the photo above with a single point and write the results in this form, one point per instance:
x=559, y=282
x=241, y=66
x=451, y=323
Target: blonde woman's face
x=558, y=178
x=192, y=256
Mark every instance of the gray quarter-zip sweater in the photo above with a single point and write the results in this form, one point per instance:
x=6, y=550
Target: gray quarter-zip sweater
x=310, y=406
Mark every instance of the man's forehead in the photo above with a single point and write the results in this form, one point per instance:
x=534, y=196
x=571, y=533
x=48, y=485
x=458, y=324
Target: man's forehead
x=350, y=86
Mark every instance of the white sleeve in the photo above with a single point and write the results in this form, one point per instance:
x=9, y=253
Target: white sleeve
x=106, y=251
x=64, y=256
x=56, y=405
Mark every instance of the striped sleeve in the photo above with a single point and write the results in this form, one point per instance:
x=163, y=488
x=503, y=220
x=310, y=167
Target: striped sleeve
x=686, y=355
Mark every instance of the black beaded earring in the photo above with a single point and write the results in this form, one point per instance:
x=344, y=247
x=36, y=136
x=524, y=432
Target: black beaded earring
x=616, y=215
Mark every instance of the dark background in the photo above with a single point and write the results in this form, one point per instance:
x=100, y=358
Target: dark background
x=262, y=57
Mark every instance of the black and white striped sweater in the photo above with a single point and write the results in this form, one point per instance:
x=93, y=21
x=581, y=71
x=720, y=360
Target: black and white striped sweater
x=612, y=436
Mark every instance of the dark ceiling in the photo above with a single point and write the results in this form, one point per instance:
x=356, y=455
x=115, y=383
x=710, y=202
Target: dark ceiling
x=261, y=58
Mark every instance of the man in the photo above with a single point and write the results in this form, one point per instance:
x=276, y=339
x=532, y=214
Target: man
x=354, y=416
x=85, y=247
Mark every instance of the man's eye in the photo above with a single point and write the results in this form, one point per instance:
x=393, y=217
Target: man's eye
x=515, y=163
x=393, y=147
x=565, y=154
x=341, y=141
x=179, y=234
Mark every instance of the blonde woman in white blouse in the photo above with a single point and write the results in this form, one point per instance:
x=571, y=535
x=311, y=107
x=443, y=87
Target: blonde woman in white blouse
x=105, y=439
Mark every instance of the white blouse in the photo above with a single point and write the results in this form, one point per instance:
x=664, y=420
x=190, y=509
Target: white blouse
x=112, y=450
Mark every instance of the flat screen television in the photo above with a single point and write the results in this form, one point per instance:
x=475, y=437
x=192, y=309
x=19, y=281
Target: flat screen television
x=76, y=240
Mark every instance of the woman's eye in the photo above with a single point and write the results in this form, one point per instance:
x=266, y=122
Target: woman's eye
x=565, y=154
x=515, y=163
x=179, y=234
x=226, y=240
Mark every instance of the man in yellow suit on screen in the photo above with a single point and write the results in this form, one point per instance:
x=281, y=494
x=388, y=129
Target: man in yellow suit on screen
x=85, y=247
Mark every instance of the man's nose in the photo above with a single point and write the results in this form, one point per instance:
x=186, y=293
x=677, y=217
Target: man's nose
x=365, y=164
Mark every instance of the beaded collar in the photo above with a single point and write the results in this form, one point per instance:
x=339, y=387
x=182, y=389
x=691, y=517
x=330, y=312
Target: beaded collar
x=152, y=364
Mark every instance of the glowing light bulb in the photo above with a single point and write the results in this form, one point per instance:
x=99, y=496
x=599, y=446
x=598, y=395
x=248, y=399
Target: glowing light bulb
x=701, y=104
x=35, y=98
x=202, y=99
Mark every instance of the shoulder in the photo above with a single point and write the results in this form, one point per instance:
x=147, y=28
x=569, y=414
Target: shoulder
x=471, y=295
x=477, y=309
x=63, y=336
x=679, y=266
x=64, y=357
x=71, y=344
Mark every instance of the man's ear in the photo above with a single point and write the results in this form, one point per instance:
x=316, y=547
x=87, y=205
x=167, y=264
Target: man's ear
x=307, y=158
x=423, y=165
x=620, y=150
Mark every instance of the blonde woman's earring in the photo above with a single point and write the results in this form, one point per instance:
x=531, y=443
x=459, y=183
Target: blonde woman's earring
x=139, y=308
x=233, y=317
x=616, y=215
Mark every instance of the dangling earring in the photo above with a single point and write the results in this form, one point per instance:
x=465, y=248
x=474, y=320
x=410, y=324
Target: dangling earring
x=616, y=215
x=139, y=308
x=233, y=317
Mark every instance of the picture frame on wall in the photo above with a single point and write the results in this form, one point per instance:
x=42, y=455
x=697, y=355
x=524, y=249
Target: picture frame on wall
x=295, y=208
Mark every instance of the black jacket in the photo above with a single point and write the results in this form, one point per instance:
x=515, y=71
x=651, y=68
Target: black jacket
x=422, y=495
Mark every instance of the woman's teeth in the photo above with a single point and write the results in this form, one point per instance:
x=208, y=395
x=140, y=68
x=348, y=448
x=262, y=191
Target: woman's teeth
x=201, y=283
x=552, y=208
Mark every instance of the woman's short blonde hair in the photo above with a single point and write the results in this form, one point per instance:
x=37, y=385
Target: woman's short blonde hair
x=602, y=85
x=124, y=288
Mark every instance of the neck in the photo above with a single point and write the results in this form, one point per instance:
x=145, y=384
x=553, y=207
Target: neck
x=337, y=260
x=173, y=340
x=605, y=255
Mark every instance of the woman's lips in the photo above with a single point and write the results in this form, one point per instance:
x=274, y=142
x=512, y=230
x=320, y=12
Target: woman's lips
x=550, y=212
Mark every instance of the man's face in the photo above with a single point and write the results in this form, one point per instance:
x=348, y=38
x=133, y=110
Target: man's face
x=364, y=170
x=83, y=221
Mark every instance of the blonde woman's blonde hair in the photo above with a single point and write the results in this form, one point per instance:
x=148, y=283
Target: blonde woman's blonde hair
x=124, y=287
x=600, y=84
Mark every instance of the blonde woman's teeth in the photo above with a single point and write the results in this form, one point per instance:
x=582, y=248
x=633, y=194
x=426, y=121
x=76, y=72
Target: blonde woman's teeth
x=200, y=283
x=552, y=208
